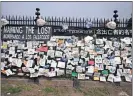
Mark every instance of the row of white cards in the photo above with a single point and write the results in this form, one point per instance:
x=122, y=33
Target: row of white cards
x=45, y=72
x=110, y=78
x=98, y=62
x=54, y=42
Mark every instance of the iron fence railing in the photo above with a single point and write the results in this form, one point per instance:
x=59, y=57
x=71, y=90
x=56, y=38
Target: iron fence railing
x=58, y=21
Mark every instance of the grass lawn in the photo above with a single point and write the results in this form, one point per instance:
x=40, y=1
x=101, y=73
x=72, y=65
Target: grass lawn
x=22, y=88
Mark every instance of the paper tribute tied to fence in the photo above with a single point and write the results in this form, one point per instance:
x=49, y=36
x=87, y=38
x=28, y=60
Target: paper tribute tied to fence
x=67, y=50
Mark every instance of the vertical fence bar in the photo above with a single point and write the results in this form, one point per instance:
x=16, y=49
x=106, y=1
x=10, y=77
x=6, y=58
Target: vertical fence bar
x=30, y=20
x=66, y=21
x=126, y=22
x=123, y=23
x=23, y=20
x=52, y=21
x=69, y=20
x=104, y=22
x=33, y=20
x=83, y=21
x=76, y=22
x=80, y=22
x=97, y=21
x=16, y=18
x=60, y=21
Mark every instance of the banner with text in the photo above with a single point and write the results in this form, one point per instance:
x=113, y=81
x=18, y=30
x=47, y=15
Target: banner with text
x=99, y=32
x=26, y=33
x=44, y=33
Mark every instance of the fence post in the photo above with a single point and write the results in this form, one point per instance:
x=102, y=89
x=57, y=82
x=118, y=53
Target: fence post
x=36, y=79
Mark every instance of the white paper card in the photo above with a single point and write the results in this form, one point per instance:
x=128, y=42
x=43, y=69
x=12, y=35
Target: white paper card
x=92, y=56
x=31, y=70
x=29, y=45
x=117, y=60
x=42, y=61
x=19, y=63
x=51, y=43
x=29, y=63
x=31, y=51
x=112, y=69
x=90, y=69
x=9, y=72
x=58, y=54
x=69, y=67
x=61, y=64
x=126, y=71
x=51, y=74
x=128, y=61
x=102, y=78
x=99, y=41
x=128, y=78
x=53, y=63
x=81, y=76
x=14, y=61
x=11, y=51
x=51, y=53
x=36, y=67
x=117, y=53
x=98, y=60
x=80, y=43
x=99, y=66
x=110, y=78
x=79, y=69
x=2, y=65
x=34, y=75
x=119, y=72
x=87, y=77
x=117, y=79
x=25, y=69
x=60, y=72
x=3, y=55
x=20, y=46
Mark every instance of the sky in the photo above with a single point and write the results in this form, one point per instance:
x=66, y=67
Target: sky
x=68, y=9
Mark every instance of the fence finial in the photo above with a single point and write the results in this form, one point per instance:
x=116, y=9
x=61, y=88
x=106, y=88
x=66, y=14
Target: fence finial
x=115, y=16
x=37, y=13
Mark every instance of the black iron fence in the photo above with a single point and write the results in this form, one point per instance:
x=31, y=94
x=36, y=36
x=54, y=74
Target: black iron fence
x=77, y=26
x=58, y=21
